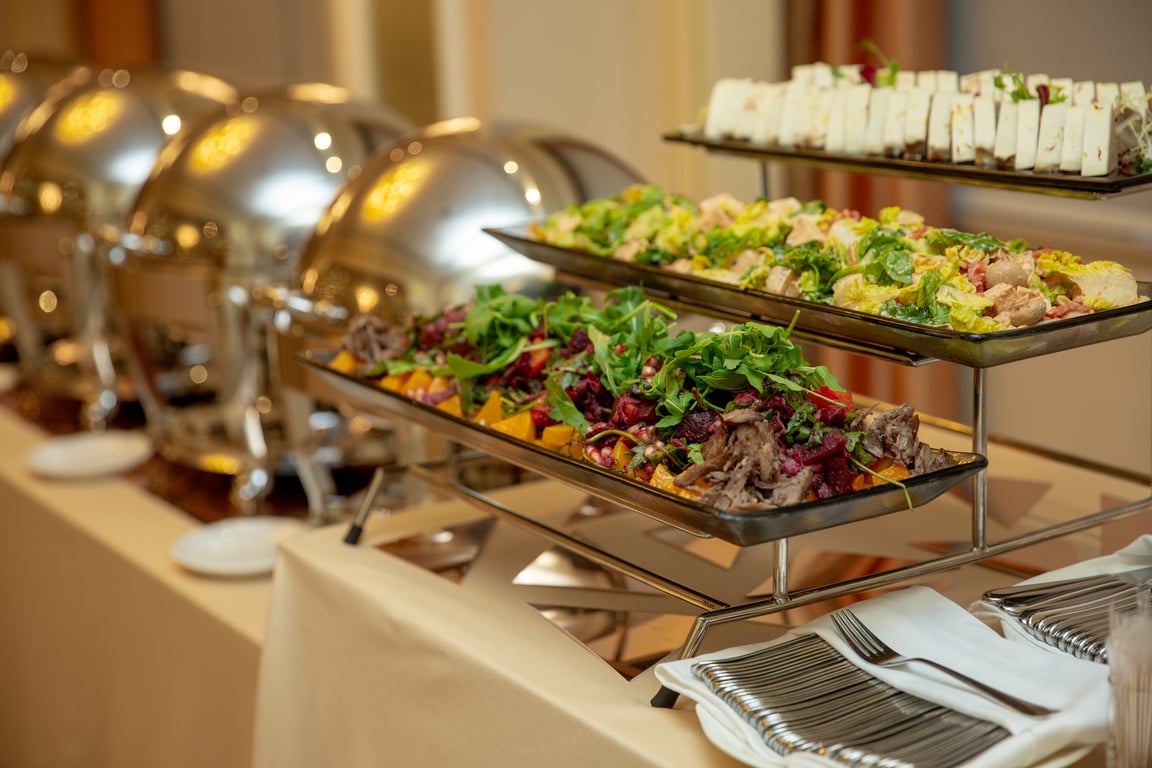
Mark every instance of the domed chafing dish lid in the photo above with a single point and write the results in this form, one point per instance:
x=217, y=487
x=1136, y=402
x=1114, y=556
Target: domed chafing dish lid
x=85, y=155
x=26, y=80
x=406, y=236
x=241, y=192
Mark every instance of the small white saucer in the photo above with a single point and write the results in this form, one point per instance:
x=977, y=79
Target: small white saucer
x=89, y=454
x=9, y=377
x=234, y=546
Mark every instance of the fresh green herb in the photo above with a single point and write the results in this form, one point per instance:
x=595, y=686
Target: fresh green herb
x=941, y=239
x=885, y=73
x=885, y=257
x=1013, y=85
x=924, y=309
x=816, y=265
x=717, y=366
x=562, y=408
x=500, y=319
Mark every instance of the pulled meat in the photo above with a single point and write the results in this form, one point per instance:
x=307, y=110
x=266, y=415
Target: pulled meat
x=895, y=433
x=374, y=340
x=741, y=464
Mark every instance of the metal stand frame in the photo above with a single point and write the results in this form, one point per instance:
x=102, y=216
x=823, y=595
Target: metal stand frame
x=714, y=611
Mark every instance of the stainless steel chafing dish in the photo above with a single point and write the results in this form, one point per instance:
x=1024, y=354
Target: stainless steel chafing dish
x=218, y=224
x=406, y=236
x=67, y=184
x=26, y=80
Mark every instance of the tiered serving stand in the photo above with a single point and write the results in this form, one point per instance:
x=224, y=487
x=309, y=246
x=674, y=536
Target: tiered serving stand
x=891, y=340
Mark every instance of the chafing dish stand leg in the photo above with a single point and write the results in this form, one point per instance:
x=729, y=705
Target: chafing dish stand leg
x=356, y=529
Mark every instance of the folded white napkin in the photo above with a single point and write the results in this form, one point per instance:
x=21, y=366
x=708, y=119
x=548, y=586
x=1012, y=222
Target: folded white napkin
x=918, y=621
x=1138, y=554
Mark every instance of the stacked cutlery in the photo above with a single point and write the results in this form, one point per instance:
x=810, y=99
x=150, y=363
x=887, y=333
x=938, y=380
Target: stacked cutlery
x=803, y=696
x=1072, y=614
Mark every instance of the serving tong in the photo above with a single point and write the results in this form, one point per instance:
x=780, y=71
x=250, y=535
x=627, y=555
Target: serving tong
x=1072, y=615
x=802, y=695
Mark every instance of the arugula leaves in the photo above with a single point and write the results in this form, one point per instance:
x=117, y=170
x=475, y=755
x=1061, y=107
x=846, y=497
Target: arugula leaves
x=716, y=366
x=629, y=331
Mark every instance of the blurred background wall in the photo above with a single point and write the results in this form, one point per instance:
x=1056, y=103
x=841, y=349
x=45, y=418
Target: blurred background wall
x=621, y=73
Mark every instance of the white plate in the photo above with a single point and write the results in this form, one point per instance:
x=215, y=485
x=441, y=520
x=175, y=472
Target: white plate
x=89, y=454
x=9, y=377
x=235, y=546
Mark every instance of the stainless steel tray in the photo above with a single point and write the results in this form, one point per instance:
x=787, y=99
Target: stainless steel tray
x=1061, y=185
x=918, y=342
x=697, y=519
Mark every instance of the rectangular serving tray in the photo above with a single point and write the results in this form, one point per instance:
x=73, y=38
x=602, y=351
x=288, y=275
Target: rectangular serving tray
x=1056, y=184
x=917, y=342
x=740, y=529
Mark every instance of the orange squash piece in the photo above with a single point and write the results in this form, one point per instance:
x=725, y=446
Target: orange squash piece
x=440, y=383
x=518, y=425
x=664, y=480
x=344, y=362
x=888, y=471
x=621, y=455
x=452, y=406
x=562, y=438
x=492, y=410
x=417, y=384
x=394, y=382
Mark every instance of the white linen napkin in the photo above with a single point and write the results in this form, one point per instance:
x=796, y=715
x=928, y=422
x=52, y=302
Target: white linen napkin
x=918, y=621
x=1137, y=554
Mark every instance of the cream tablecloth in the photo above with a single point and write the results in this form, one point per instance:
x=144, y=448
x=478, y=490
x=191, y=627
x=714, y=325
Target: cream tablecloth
x=110, y=654
x=371, y=660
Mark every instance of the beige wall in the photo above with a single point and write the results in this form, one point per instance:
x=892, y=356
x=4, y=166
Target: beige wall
x=620, y=74
x=41, y=26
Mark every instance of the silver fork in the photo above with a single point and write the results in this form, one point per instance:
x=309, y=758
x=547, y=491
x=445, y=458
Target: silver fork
x=873, y=650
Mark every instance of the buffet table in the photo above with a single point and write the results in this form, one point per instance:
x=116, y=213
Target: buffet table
x=373, y=660
x=115, y=656
x=112, y=654
x=370, y=657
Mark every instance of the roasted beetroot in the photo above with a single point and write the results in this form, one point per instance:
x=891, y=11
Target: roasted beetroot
x=697, y=426
x=631, y=410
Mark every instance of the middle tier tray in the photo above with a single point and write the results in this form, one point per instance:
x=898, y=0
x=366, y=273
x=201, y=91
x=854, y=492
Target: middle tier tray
x=741, y=529
x=918, y=343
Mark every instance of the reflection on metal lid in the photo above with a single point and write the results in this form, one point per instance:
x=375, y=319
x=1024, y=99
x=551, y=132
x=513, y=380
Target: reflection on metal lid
x=407, y=235
x=241, y=192
x=98, y=141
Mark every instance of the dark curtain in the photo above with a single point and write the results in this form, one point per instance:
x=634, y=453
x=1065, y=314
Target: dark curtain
x=116, y=33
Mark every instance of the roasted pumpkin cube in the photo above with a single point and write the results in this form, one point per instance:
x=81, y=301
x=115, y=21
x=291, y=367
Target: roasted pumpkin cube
x=622, y=454
x=394, y=382
x=664, y=480
x=883, y=469
x=417, y=384
x=440, y=383
x=344, y=362
x=519, y=425
x=562, y=438
x=492, y=410
x=452, y=406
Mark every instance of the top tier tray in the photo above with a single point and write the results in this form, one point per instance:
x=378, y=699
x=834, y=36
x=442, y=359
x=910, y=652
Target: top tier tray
x=895, y=339
x=1084, y=187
